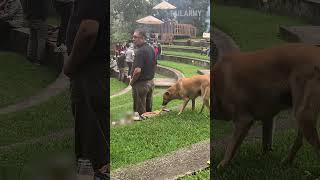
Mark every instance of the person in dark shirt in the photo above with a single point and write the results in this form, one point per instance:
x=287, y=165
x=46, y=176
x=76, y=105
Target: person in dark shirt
x=36, y=14
x=87, y=69
x=144, y=65
x=121, y=65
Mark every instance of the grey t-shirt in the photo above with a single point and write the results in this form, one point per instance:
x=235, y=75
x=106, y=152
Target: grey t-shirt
x=13, y=13
x=129, y=55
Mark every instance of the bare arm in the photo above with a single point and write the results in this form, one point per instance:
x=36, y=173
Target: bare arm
x=83, y=44
x=135, y=76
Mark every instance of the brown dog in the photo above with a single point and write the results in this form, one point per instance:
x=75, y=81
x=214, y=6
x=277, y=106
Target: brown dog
x=257, y=85
x=189, y=88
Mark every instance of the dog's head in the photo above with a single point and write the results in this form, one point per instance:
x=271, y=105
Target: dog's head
x=167, y=97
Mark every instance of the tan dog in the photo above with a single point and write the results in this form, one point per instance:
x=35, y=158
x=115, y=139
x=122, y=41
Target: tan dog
x=189, y=88
x=257, y=85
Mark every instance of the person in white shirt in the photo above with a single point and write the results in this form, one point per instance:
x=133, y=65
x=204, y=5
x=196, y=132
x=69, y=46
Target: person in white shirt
x=129, y=58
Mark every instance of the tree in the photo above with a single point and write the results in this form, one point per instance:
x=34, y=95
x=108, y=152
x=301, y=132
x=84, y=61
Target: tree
x=124, y=14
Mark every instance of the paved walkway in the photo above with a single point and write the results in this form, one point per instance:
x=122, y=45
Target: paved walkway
x=170, y=166
x=204, y=72
x=306, y=34
x=60, y=84
x=127, y=89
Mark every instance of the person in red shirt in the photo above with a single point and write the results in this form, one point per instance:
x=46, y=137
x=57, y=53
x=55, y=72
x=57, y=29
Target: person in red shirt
x=156, y=51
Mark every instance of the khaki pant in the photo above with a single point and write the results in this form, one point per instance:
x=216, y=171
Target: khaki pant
x=142, y=96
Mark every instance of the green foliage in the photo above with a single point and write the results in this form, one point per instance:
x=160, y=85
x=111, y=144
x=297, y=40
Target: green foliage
x=124, y=14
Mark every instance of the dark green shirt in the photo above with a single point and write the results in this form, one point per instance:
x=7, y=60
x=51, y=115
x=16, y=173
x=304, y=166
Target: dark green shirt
x=145, y=59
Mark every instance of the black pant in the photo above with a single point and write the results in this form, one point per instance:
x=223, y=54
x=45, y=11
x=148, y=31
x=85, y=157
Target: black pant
x=4, y=34
x=65, y=11
x=89, y=107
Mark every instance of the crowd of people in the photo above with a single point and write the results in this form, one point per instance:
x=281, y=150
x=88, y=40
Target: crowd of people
x=34, y=15
x=125, y=53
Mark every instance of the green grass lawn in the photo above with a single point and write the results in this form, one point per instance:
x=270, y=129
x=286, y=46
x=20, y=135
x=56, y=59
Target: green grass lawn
x=20, y=79
x=201, y=175
x=182, y=47
x=157, y=136
x=186, y=69
x=41, y=120
x=187, y=54
x=18, y=161
x=116, y=86
x=250, y=163
x=251, y=29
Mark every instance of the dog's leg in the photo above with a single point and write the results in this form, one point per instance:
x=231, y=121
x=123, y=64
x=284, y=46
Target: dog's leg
x=267, y=135
x=308, y=113
x=308, y=124
x=202, y=107
x=193, y=104
x=242, y=126
x=184, y=105
x=205, y=99
x=294, y=148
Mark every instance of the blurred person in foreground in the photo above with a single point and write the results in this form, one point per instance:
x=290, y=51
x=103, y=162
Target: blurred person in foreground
x=87, y=68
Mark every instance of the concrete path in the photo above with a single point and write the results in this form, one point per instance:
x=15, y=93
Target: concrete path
x=164, y=82
x=60, y=84
x=204, y=72
x=127, y=89
x=305, y=34
x=170, y=166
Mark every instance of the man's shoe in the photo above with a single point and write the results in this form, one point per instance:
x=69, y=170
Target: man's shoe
x=62, y=48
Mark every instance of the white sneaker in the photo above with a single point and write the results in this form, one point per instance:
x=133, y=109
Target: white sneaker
x=62, y=48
